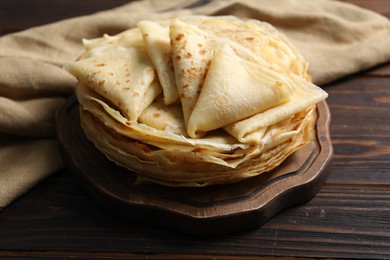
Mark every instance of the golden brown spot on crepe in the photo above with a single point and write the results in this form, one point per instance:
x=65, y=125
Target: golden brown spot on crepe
x=119, y=104
x=100, y=65
x=178, y=57
x=146, y=34
x=232, y=126
x=249, y=38
x=136, y=94
x=111, y=74
x=185, y=86
x=102, y=82
x=117, y=83
x=181, y=74
x=156, y=115
x=198, y=150
x=192, y=73
x=179, y=37
x=188, y=55
x=192, y=70
x=127, y=75
x=127, y=80
x=182, y=95
x=200, y=45
x=126, y=88
x=96, y=72
x=202, y=52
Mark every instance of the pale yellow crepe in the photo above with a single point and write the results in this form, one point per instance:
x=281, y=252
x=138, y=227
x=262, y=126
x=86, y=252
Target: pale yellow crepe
x=192, y=51
x=158, y=45
x=196, y=101
x=195, y=169
x=124, y=75
x=131, y=37
x=231, y=78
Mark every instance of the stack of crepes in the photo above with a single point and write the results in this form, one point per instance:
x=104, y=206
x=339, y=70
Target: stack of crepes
x=197, y=100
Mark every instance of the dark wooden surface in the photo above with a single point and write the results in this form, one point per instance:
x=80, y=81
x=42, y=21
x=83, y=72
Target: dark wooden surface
x=349, y=217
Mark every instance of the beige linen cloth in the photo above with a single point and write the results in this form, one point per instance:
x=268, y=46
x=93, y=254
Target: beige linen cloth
x=337, y=38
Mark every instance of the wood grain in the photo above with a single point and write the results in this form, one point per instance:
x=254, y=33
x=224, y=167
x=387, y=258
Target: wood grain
x=360, y=130
x=348, y=218
x=19, y=15
x=339, y=222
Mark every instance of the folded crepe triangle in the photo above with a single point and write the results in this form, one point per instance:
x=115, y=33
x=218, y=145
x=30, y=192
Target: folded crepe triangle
x=129, y=38
x=235, y=89
x=192, y=51
x=158, y=45
x=252, y=129
x=125, y=76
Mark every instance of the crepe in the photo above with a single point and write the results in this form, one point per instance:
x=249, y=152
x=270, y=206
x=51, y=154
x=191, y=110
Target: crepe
x=157, y=42
x=197, y=100
x=124, y=75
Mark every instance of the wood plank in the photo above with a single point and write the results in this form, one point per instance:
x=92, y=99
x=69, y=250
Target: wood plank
x=62, y=218
x=381, y=70
x=123, y=255
x=360, y=128
x=20, y=15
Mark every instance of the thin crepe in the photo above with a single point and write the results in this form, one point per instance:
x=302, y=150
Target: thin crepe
x=196, y=101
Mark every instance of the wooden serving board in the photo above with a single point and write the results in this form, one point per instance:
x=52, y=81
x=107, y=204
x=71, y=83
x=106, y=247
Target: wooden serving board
x=208, y=211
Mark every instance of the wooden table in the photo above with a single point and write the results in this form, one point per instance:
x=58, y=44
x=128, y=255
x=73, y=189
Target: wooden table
x=349, y=217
